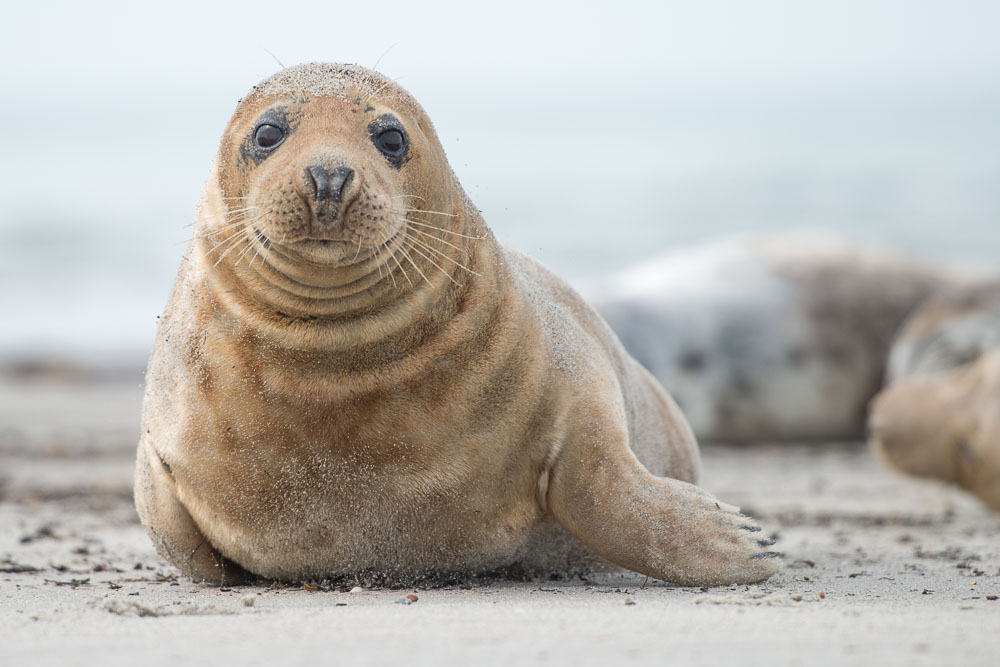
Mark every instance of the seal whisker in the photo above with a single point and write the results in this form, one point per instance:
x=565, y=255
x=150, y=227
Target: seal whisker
x=211, y=218
x=231, y=224
x=230, y=220
x=223, y=256
x=421, y=210
x=414, y=196
x=406, y=256
x=276, y=58
x=236, y=239
x=239, y=237
x=250, y=246
x=436, y=238
x=405, y=275
x=375, y=66
x=441, y=254
x=378, y=260
x=229, y=237
x=435, y=264
x=388, y=269
x=199, y=236
x=381, y=88
x=257, y=254
x=237, y=210
x=446, y=231
x=220, y=243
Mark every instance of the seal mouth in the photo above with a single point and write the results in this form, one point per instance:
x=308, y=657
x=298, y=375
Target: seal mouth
x=332, y=252
x=262, y=237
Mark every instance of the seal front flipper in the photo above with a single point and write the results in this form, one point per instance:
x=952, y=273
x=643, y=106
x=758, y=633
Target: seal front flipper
x=174, y=532
x=658, y=526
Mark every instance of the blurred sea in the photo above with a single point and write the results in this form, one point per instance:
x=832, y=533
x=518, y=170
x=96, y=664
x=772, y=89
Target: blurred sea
x=99, y=184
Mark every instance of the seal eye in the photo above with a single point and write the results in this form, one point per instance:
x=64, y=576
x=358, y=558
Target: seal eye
x=390, y=141
x=268, y=136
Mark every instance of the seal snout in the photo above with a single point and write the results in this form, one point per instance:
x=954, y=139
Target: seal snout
x=327, y=188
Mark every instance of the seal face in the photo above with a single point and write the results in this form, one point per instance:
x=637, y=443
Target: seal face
x=938, y=416
x=352, y=376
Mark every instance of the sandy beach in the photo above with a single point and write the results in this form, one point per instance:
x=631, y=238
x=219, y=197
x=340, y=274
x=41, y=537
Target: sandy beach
x=879, y=569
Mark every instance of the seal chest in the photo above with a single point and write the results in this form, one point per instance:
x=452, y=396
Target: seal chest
x=352, y=375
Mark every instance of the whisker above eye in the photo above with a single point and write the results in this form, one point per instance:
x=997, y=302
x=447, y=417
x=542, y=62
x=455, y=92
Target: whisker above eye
x=381, y=88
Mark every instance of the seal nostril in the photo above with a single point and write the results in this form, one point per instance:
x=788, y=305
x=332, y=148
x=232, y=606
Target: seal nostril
x=339, y=180
x=316, y=180
x=328, y=184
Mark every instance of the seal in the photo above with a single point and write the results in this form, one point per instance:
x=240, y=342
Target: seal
x=938, y=416
x=769, y=338
x=353, y=376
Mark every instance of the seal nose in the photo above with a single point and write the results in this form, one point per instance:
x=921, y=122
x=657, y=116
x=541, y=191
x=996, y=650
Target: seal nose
x=328, y=187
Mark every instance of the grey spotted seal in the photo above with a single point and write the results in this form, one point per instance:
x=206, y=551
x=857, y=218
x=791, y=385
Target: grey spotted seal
x=939, y=415
x=352, y=375
x=770, y=338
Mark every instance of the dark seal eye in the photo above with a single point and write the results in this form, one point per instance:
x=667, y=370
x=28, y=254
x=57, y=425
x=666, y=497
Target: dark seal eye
x=390, y=141
x=389, y=137
x=268, y=136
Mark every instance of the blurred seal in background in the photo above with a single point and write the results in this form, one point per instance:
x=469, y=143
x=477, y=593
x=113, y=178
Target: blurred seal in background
x=761, y=339
x=939, y=416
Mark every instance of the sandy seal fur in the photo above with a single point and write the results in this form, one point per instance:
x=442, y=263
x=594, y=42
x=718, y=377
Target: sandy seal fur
x=939, y=415
x=352, y=375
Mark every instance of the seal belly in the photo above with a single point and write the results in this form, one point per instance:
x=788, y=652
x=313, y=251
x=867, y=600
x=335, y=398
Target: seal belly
x=326, y=514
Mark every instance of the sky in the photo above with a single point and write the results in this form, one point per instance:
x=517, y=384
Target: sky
x=591, y=134
x=705, y=43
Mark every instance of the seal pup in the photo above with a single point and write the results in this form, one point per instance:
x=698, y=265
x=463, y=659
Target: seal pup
x=769, y=338
x=939, y=416
x=353, y=376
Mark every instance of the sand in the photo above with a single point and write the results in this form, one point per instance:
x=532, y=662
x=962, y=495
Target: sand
x=880, y=569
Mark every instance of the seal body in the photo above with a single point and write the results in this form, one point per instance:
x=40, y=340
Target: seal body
x=939, y=415
x=775, y=338
x=352, y=376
